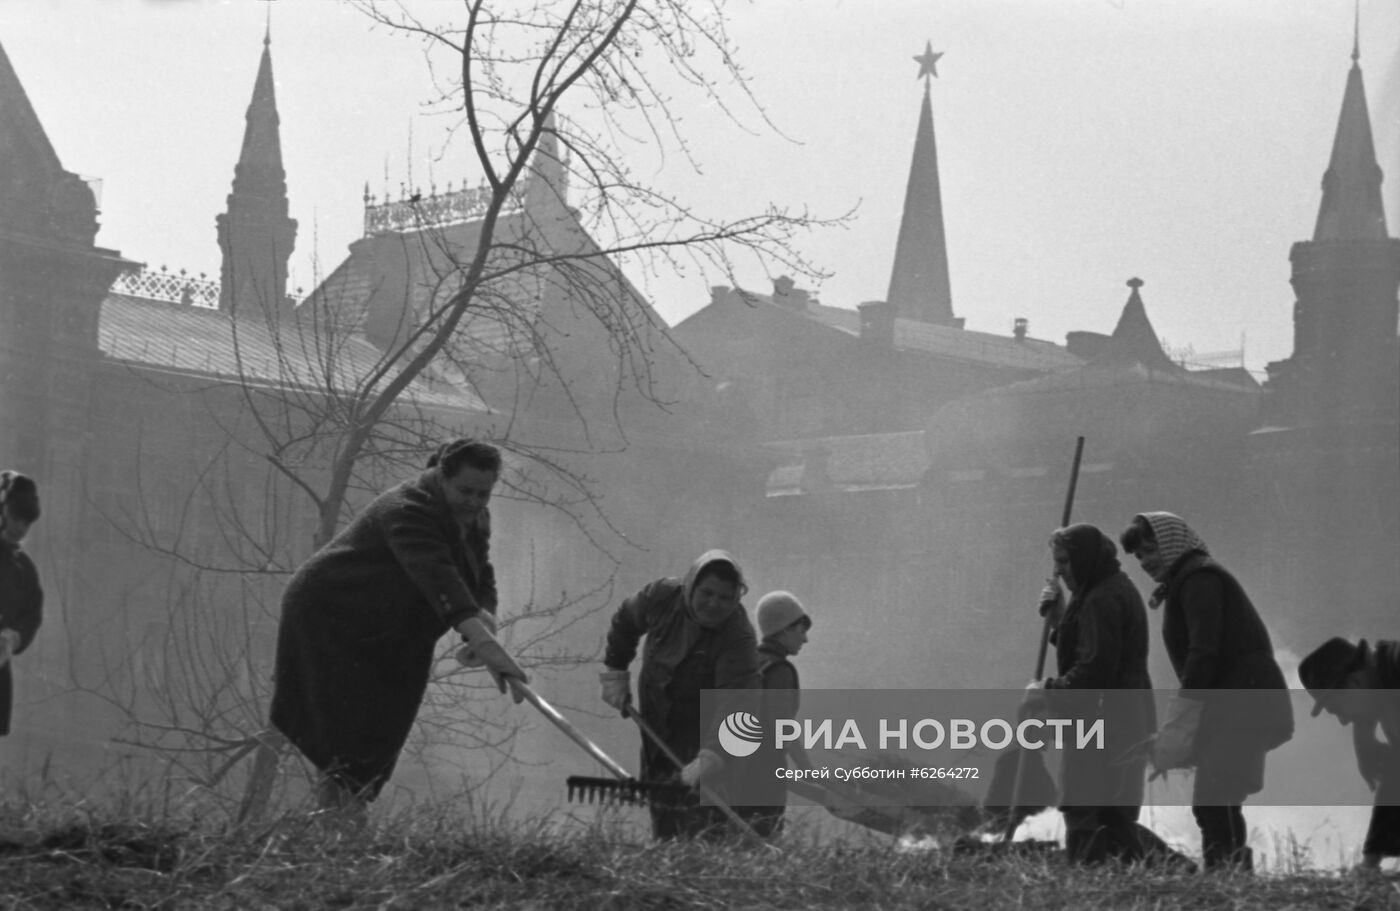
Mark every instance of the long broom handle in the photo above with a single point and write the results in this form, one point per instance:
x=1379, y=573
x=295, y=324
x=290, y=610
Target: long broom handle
x=705, y=790
x=1020, y=779
x=562, y=723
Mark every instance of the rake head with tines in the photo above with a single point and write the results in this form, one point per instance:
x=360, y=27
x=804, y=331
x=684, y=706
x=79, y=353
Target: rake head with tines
x=630, y=791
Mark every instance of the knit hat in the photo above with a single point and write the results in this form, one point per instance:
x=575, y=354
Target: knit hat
x=779, y=610
x=1328, y=666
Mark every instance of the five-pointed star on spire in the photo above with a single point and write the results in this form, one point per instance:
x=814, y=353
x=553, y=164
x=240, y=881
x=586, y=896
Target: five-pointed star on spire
x=928, y=61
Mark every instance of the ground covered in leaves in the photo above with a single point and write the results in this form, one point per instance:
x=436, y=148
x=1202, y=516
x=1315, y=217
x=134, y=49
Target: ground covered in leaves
x=440, y=863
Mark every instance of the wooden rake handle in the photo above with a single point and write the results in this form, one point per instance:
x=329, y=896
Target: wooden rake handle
x=523, y=689
x=1018, y=783
x=705, y=790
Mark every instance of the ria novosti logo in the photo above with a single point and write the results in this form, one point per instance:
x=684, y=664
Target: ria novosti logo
x=741, y=734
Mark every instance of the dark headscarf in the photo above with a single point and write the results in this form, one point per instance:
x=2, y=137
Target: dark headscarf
x=1092, y=556
x=19, y=494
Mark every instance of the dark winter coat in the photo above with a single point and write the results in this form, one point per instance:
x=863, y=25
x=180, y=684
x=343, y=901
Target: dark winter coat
x=1383, y=834
x=1217, y=641
x=22, y=610
x=360, y=620
x=782, y=697
x=680, y=659
x=1101, y=660
x=1386, y=654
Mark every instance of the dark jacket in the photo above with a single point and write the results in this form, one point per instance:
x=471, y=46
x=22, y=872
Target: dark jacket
x=680, y=658
x=782, y=697
x=360, y=620
x=22, y=610
x=1385, y=654
x=1216, y=641
x=1101, y=660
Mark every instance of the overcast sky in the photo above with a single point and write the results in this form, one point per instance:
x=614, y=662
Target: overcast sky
x=1080, y=142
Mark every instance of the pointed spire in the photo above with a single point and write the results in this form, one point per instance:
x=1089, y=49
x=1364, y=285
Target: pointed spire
x=255, y=233
x=1134, y=341
x=1351, y=188
x=260, y=159
x=1356, y=34
x=919, y=286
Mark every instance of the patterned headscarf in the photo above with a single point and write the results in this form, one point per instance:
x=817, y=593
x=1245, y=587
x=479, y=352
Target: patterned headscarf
x=1175, y=539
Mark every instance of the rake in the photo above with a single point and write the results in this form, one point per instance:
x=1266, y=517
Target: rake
x=623, y=788
x=628, y=791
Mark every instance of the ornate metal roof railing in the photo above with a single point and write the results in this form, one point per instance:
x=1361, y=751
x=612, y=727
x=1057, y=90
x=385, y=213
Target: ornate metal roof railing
x=170, y=287
x=416, y=212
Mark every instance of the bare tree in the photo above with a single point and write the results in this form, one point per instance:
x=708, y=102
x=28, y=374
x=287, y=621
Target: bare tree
x=501, y=296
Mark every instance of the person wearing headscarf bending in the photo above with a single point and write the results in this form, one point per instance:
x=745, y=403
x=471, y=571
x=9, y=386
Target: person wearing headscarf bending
x=21, y=597
x=1101, y=672
x=361, y=619
x=698, y=637
x=1233, y=706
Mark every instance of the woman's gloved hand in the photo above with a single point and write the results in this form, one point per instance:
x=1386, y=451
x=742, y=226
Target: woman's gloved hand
x=706, y=765
x=1175, y=743
x=617, y=689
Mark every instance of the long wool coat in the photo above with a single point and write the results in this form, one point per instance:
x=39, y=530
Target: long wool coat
x=22, y=610
x=1222, y=654
x=1101, y=659
x=360, y=620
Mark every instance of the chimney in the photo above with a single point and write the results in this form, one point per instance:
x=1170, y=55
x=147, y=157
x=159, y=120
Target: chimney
x=1085, y=345
x=877, y=323
x=786, y=294
x=1018, y=328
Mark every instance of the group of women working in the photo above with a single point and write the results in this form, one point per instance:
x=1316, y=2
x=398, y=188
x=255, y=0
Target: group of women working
x=361, y=619
x=1232, y=708
x=362, y=616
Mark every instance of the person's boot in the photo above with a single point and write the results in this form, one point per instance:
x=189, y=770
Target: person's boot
x=1082, y=846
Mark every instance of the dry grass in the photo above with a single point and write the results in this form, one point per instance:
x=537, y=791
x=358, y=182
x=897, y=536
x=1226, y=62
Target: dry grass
x=55, y=859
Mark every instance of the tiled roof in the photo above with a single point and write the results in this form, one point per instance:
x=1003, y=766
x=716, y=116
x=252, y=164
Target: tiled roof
x=206, y=342
x=367, y=289
x=1105, y=375
x=944, y=341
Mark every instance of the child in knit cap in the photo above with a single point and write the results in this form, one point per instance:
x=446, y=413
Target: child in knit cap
x=783, y=624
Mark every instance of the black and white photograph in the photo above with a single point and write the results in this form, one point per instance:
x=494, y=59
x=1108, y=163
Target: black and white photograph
x=569, y=453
